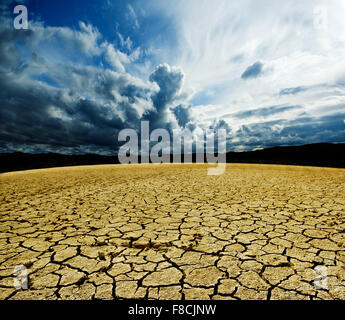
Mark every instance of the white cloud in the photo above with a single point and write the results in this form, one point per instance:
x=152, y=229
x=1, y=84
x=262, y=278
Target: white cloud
x=212, y=35
x=119, y=59
x=133, y=16
x=126, y=43
x=116, y=58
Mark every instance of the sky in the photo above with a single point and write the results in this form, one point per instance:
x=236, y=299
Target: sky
x=272, y=73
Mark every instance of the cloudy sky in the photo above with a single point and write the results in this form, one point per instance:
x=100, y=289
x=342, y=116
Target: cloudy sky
x=269, y=72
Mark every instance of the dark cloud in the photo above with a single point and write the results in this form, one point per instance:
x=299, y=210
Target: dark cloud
x=81, y=107
x=45, y=116
x=253, y=71
x=220, y=124
x=288, y=91
x=65, y=103
x=169, y=80
x=182, y=114
x=306, y=130
x=263, y=112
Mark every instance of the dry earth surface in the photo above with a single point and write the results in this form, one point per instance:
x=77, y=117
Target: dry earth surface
x=172, y=232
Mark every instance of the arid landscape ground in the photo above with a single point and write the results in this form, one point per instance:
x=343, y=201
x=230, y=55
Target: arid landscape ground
x=173, y=232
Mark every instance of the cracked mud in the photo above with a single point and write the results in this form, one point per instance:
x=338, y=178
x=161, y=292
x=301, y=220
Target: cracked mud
x=172, y=232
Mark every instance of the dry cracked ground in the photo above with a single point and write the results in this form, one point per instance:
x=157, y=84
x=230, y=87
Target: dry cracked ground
x=172, y=232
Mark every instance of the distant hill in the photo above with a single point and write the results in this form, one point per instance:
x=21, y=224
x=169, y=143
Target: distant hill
x=25, y=161
x=321, y=154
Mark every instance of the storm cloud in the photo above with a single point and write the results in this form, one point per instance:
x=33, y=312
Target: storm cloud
x=71, y=88
x=182, y=114
x=65, y=106
x=170, y=81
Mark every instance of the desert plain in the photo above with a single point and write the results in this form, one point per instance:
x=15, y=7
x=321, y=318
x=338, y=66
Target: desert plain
x=173, y=232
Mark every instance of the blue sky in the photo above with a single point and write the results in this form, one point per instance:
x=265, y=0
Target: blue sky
x=271, y=73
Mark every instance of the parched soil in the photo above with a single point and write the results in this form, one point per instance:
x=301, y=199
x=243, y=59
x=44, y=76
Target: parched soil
x=173, y=232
